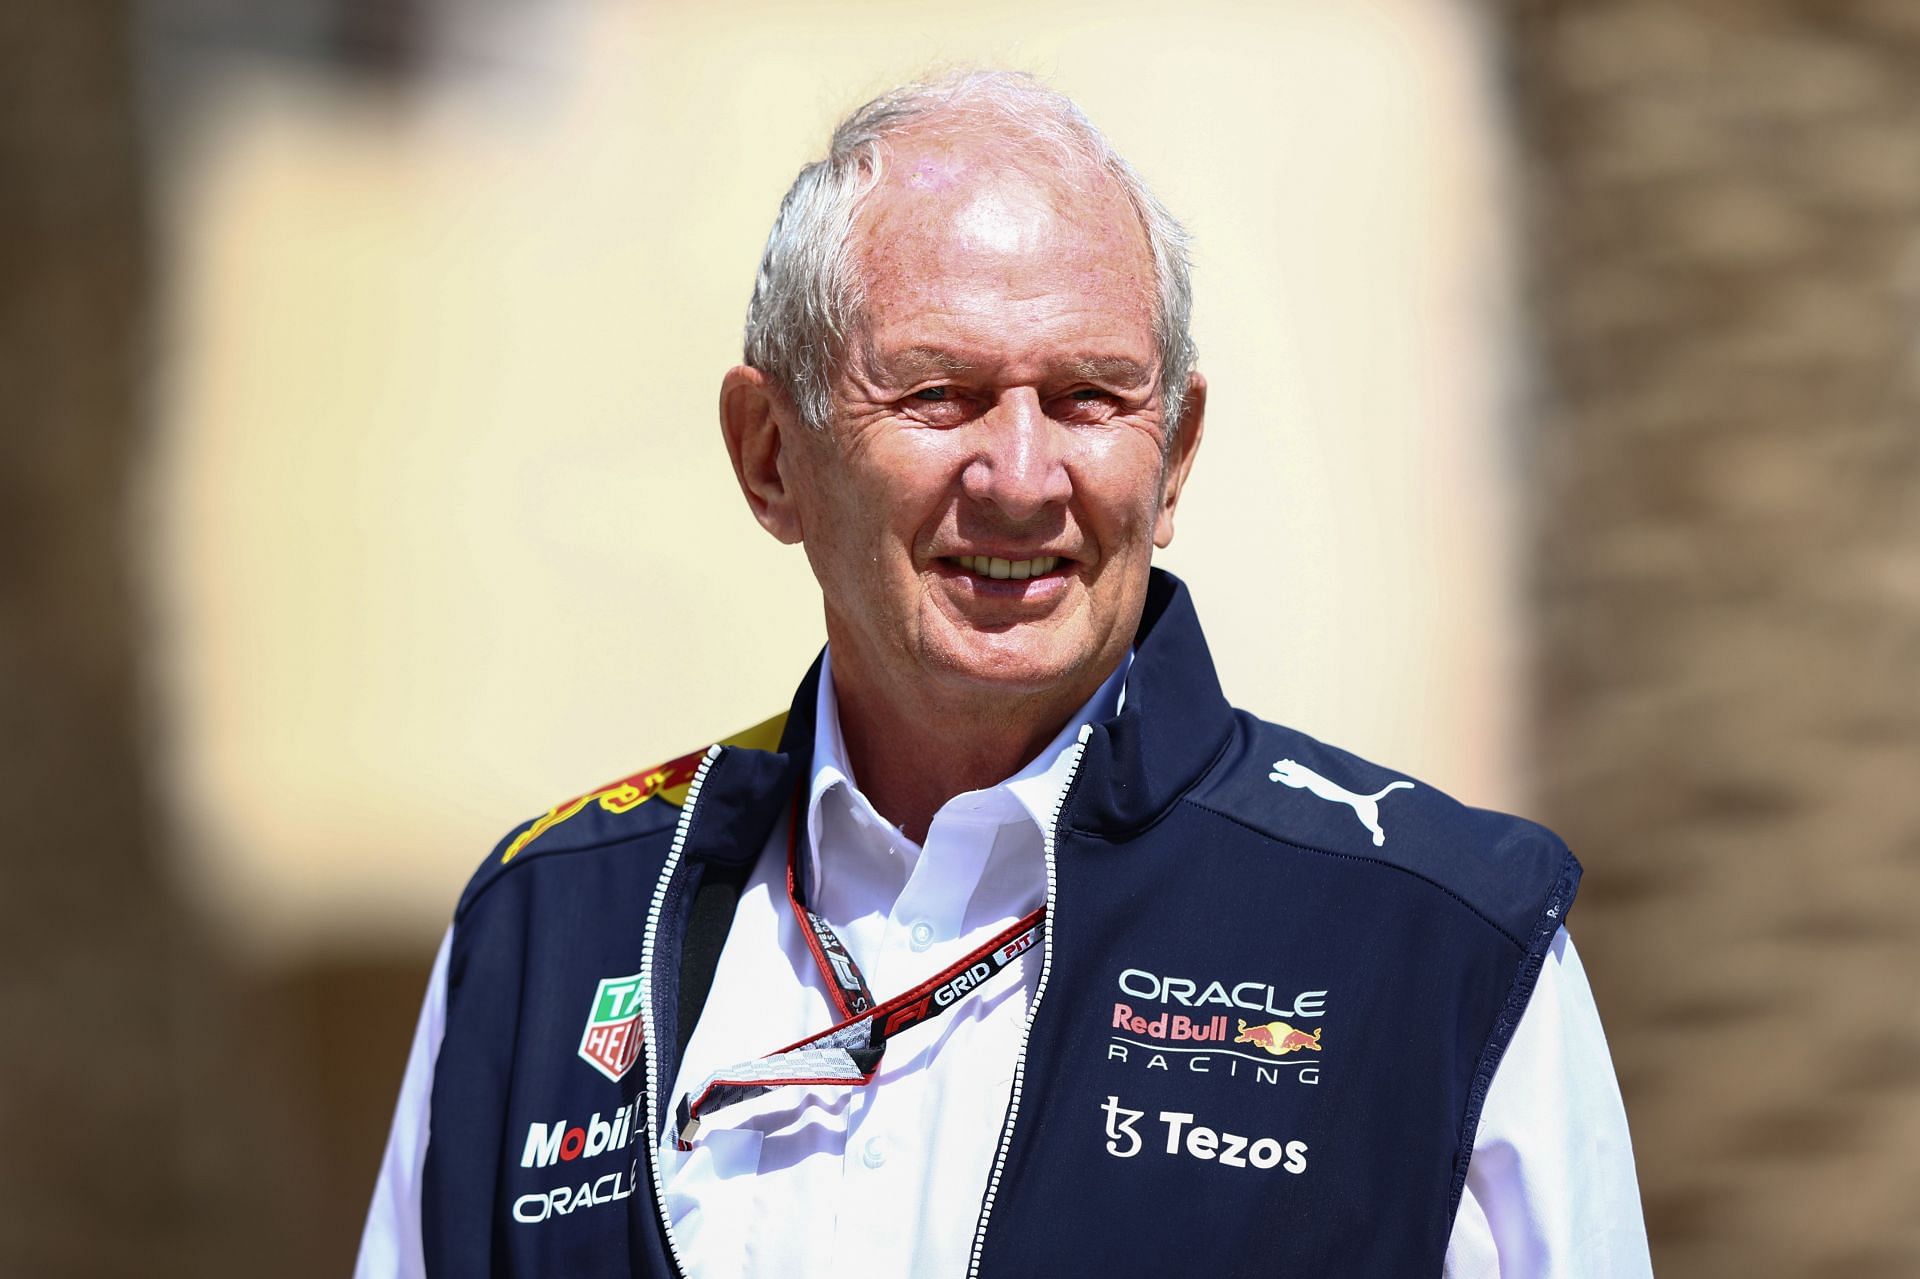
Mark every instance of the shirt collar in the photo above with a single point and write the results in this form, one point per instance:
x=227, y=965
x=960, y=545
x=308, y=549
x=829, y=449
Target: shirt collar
x=1037, y=787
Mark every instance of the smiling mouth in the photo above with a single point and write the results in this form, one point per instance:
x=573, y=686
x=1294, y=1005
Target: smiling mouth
x=992, y=567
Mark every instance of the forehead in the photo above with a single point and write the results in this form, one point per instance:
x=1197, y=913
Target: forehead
x=961, y=232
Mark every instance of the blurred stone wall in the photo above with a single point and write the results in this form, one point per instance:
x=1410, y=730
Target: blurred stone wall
x=1725, y=220
x=87, y=1114
x=163, y=1111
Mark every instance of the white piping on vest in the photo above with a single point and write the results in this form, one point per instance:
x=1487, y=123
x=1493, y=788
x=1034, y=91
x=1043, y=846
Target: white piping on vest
x=1052, y=834
x=649, y=1031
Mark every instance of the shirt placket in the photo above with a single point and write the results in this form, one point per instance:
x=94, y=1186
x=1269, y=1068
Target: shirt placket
x=885, y=1161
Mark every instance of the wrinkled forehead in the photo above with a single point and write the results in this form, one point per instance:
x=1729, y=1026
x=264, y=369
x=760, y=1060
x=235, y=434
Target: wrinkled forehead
x=989, y=202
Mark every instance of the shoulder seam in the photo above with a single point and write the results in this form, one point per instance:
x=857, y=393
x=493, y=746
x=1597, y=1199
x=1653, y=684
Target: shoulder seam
x=530, y=855
x=1479, y=914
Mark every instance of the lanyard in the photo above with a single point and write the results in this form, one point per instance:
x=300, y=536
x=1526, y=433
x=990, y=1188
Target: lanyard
x=849, y=1052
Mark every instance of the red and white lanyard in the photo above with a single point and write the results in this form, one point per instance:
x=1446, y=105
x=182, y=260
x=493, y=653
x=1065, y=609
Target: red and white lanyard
x=849, y=1051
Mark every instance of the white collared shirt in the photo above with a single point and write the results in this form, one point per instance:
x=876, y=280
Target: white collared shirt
x=804, y=1181
x=810, y=1181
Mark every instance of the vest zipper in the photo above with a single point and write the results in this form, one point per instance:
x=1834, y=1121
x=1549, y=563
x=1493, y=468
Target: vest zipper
x=1052, y=836
x=649, y=1030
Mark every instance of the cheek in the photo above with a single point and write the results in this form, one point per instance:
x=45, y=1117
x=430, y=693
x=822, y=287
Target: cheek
x=866, y=514
x=910, y=488
x=1119, y=484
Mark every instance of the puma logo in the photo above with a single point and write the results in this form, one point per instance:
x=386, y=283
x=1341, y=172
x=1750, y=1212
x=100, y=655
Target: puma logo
x=1365, y=807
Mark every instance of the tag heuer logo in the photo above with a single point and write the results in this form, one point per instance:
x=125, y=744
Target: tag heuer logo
x=611, y=1041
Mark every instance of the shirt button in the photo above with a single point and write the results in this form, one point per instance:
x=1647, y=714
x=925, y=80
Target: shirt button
x=921, y=935
x=874, y=1154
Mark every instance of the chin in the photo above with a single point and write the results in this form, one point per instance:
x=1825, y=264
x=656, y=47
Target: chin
x=988, y=663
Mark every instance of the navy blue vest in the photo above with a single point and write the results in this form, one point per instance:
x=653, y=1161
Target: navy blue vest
x=1276, y=983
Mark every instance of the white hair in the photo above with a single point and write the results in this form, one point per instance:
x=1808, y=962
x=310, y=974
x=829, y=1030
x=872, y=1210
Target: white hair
x=807, y=295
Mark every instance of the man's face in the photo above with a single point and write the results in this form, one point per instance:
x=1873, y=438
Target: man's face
x=983, y=510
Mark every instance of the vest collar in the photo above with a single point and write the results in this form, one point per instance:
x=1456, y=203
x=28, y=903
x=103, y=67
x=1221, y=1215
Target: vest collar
x=1174, y=725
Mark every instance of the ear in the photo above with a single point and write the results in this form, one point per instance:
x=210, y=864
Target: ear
x=1186, y=443
x=754, y=418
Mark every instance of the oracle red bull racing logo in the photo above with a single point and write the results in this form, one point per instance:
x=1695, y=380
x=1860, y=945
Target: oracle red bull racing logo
x=1147, y=1030
x=611, y=1041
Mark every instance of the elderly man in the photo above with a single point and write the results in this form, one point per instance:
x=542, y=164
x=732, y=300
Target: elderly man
x=1011, y=948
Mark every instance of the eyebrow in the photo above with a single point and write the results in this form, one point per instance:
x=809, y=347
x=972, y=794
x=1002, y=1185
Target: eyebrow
x=1114, y=370
x=916, y=361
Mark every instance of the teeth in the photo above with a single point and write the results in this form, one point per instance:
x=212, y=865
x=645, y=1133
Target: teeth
x=1002, y=570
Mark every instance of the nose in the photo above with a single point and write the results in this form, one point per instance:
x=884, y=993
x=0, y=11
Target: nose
x=1020, y=459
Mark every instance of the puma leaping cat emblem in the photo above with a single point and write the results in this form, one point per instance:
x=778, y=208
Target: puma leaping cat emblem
x=1365, y=807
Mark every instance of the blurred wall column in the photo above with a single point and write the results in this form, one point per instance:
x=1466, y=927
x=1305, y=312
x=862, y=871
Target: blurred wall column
x=1726, y=275
x=143, y=1136
x=88, y=1118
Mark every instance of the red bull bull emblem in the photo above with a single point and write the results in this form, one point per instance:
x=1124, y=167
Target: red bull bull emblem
x=1278, y=1038
x=611, y=1041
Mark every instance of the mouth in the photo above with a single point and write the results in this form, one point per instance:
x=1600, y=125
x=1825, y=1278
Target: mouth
x=995, y=569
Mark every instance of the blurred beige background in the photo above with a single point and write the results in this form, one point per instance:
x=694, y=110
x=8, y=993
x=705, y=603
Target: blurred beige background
x=444, y=529
x=365, y=498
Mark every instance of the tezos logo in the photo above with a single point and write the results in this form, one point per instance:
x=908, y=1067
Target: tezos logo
x=611, y=1041
x=1120, y=1128
x=1197, y=1141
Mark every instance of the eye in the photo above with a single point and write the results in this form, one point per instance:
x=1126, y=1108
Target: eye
x=941, y=405
x=1088, y=405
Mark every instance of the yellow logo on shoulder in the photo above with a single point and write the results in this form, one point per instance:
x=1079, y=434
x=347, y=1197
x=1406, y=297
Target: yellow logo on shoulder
x=669, y=780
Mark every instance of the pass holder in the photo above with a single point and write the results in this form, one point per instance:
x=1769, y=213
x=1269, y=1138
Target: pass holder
x=850, y=1051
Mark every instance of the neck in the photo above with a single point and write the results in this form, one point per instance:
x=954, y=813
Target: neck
x=912, y=750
